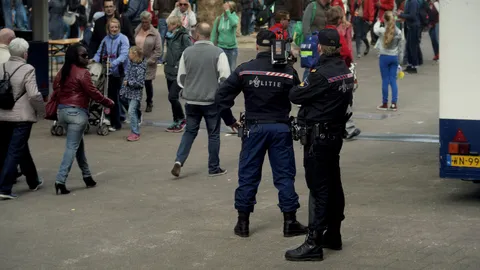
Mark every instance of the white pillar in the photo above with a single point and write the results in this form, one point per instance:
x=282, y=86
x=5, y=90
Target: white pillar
x=459, y=59
x=40, y=20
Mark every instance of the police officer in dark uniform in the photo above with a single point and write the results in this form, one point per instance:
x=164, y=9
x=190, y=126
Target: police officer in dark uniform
x=325, y=96
x=265, y=129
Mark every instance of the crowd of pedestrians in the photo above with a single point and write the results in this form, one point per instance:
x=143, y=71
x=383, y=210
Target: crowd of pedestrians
x=133, y=38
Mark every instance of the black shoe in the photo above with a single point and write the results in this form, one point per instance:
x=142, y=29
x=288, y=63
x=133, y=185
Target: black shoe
x=8, y=196
x=89, y=182
x=177, y=167
x=366, y=51
x=218, y=172
x=411, y=70
x=354, y=134
x=310, y=250
x=149, y=107
x=291, y=227
x=242, y=227
x=332, y=240
x=62, y=188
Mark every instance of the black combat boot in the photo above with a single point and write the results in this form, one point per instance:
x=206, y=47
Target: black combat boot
x=241, y=229
x=332, y=239
x=291, y=227
x=311, y=250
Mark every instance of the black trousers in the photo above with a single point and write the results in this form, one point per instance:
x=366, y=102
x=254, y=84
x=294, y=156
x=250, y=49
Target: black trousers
x=149, y=91
x=114, y=85
x=174, y=98
x=14, y=151
x=322, y=172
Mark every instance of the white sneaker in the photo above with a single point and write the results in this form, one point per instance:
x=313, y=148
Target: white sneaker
x=106, y=122
x=112, y=129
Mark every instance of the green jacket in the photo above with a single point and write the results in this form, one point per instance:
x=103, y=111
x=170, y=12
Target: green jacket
x=224, y=32
x=175, y=47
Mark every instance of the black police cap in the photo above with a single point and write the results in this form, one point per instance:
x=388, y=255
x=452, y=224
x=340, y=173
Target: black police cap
x=265, y=38
x=329, y=37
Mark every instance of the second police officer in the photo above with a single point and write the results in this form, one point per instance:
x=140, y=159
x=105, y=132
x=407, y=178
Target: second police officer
x=265, y=129
x=325, y=96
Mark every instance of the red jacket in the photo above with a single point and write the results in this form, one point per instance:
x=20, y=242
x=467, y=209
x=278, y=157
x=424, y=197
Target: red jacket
x=276, y=28
x=385, y=5
x=338, y=3
x=368, y=9
x=345, y=51
x=78, y=89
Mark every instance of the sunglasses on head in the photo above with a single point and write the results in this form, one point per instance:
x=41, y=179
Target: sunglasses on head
x=183, y=4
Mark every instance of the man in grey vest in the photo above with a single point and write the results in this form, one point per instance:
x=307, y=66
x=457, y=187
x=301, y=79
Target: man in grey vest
x=202, y=68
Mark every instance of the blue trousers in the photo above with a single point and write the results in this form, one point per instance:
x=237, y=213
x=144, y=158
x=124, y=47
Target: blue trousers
x=275, y=139
x=76, y=121
x=388, y=69
x=195, y=113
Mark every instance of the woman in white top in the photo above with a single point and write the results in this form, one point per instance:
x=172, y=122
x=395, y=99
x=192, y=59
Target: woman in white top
x=187, y=16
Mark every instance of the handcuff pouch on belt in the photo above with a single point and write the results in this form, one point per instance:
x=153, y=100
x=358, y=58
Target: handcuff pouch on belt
x=243, y=129
x=299, y=133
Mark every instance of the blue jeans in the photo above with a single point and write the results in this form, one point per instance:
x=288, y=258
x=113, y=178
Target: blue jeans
x=14, y=151
x=291, y=27
x=20, y=11
x=75, y=120
x=134, y=114
x=195, y=113
x=276, y=139
x=232, y=57
x=433, y=32
x=388, y=69
x=162, y=29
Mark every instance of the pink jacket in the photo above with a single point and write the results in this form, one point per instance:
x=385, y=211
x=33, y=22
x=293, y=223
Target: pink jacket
x=346, y=31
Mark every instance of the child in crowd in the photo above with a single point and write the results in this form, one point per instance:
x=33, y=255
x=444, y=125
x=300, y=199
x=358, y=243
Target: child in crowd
x=132, y=89
x=390, y=45
x=335, y=19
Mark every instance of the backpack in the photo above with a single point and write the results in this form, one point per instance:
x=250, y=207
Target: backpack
x=264, y=15
x=7, y=100
x=298, y=36
x=309, y=55
x=423, y=11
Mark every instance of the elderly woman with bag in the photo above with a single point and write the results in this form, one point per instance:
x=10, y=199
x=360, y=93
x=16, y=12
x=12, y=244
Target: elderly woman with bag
x=73, y=90
x=148, y=38
x=19, y=110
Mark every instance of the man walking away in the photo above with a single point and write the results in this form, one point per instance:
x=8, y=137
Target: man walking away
x=202, y=68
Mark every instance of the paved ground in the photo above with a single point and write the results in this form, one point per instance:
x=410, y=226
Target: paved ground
x=400, y=215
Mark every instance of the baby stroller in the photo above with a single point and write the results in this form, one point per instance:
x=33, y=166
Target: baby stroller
x=96, y=110
x=98, y=73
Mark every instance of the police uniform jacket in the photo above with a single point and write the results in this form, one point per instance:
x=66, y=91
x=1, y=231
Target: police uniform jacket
x=325, y=94
x=265, y=89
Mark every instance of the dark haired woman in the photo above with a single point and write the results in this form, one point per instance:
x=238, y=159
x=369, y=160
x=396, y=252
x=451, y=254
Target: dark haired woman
x=75, y=89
